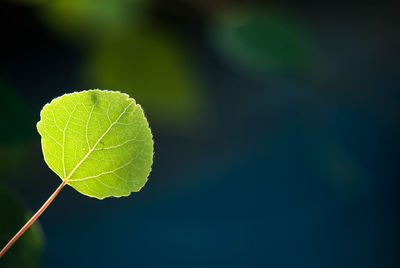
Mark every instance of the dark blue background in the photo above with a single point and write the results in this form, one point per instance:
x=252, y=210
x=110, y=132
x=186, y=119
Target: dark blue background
x=286, y=169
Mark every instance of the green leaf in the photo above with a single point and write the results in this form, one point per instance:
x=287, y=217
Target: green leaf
x=264, y=41
x=132, y=61
x=98, y=142
x=89, y=19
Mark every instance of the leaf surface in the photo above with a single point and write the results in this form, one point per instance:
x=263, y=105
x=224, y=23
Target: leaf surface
x=98, y=142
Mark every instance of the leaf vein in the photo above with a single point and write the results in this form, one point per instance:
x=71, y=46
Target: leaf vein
x=94, y=146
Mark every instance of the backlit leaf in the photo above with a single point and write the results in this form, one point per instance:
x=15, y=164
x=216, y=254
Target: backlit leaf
x=99, y=142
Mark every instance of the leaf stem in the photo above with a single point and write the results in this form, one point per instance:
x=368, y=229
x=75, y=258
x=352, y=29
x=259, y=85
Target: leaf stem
x=32, y=220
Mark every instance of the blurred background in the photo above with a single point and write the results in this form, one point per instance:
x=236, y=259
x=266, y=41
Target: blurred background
x=276, y=132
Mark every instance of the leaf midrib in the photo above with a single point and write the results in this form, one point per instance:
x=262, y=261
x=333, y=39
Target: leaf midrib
x=97, y=142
